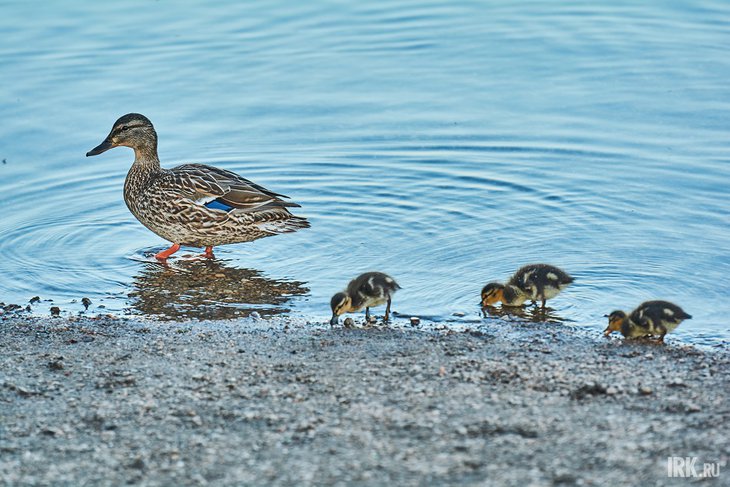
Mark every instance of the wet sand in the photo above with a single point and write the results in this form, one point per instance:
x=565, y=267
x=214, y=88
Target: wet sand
x=282, y=402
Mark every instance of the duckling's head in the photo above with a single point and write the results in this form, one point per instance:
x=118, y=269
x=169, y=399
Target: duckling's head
x=340, y=305
x=492, y=293
x=132, y=130
x=615, y=320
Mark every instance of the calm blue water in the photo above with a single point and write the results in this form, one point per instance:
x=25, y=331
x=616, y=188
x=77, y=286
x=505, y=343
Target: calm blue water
x=444, y=144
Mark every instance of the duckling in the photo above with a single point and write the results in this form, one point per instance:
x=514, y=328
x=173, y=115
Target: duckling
x=650, y=318
x=194, y=204
x=533, y=282
x=365, y=291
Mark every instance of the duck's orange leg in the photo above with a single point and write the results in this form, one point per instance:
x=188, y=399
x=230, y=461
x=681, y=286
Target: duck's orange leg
x=209, y=252
x=167, y=253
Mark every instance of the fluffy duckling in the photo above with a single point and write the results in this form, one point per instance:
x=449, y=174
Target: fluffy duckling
x=650, y=318
x=534, y=282
x=365, y=291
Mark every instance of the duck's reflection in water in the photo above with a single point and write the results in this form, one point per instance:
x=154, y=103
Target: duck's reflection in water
x=533, y=314
x=208, y=289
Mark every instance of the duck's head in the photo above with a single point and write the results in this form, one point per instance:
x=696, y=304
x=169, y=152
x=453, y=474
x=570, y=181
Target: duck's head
x=615, y=320
x=492, y=293
x=132, y=130
x=340, y=304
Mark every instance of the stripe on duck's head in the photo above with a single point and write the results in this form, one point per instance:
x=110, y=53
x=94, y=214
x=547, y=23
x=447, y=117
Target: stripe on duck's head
x=131, y=130
x=615, y=320
x=492, y=293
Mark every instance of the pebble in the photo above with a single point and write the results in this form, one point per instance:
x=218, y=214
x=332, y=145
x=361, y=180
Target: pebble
x=645, y=391
x=56, y=364
x=415, y=320
x=611, y=391
x=55, y=311
x=35, y=299
x=349, y=323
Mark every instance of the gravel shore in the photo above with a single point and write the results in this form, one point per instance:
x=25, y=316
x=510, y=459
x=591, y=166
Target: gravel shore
x=281, y=402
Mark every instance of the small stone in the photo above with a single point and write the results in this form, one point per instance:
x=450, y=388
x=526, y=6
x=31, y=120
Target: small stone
x=459, y=314
x=255, y=315
x=349, y=323
x=693, y=408
x=86, y=302
x=55, y=311
x=610, y=391
x=415, y=321
x=51, y=431
x=35, y=299
x=645, y=391
x=56, y=364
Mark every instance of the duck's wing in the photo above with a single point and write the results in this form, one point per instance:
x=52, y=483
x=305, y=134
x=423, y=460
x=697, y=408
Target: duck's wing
x=223, y=190
x=524, y=278
x=663, y=311
x=647, y=315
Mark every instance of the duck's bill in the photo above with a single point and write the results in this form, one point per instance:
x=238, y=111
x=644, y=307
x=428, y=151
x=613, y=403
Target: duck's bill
x=606, y=332
x=335, y=320
x=103, y=147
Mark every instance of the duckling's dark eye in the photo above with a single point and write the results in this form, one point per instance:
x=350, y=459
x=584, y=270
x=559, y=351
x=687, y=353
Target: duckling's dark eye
x=124, y=127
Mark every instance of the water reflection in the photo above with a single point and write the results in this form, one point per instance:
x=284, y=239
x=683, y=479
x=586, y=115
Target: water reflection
x=208, y=289
x=533, y=314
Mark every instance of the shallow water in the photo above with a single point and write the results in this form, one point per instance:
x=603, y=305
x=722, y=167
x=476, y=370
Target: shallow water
x=446, y=145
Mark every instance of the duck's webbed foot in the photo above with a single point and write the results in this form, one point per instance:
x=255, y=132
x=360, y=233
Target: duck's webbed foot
x=163, y=255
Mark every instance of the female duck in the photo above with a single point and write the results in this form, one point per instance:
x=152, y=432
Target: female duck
x=650, y=318
x=534, y=282
x=194, y=204
x=367, y=290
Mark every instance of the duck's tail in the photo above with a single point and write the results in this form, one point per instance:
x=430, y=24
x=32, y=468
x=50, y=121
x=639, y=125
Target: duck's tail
x=285, y=225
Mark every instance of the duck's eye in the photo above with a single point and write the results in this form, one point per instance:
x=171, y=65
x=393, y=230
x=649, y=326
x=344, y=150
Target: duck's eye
x=124, y=127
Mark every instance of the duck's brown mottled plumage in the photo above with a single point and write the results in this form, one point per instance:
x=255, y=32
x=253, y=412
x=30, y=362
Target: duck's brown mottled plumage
x=172, y=202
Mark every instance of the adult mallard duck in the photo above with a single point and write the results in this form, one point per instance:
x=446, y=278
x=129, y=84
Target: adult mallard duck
x=365, y=291
x=534, y=282
x=194, y=204
x=650, y=318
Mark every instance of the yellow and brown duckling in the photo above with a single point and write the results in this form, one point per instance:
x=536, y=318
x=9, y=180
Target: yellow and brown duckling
x=535, y=282
x=194, y=204
x=365, y=291
x=651, y=318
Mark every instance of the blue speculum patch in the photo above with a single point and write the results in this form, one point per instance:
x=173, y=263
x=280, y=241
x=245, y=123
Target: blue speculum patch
x=218, y=205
